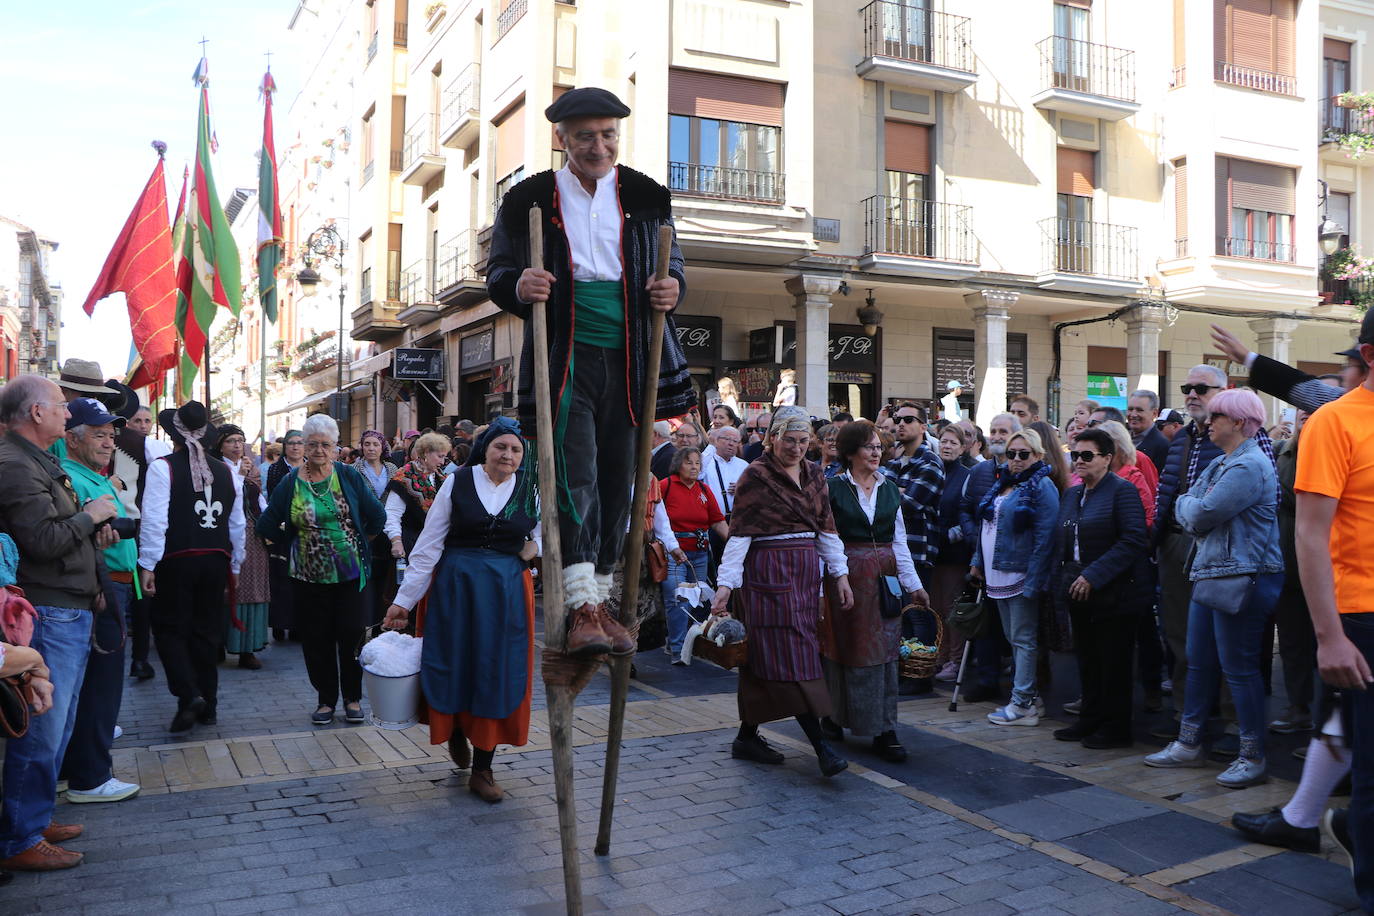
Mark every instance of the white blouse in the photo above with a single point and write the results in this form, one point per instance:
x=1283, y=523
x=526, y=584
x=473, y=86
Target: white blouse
x=430, y=546
x=396, y=508
x=828, y=545
x=906, y=569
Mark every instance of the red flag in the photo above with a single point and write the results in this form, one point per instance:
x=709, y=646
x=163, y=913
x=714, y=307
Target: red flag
x=140, y=267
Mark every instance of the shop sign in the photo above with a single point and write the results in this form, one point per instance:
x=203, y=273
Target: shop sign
x=851, y=350
x=418, y=364
x=699, y=337
x=476, y=351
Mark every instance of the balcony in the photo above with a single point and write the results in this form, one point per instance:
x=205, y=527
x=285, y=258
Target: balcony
x=515, y=9
x=1084, y=256
x=1359, y=293
x=459, y=119
x=372, y=48
x=1350, y=131
x=421, y=159
x=906, y=45
x=377, y=320
x=694, y=180
x=1257, y=250
x=1086, y=79
x=400, y=37
x=418, y=303
x=918, y=238
x=458, y=281
x=313, y=361
x=1252, y=78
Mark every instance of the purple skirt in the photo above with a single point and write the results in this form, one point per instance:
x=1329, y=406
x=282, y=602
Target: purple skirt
x=781, y=598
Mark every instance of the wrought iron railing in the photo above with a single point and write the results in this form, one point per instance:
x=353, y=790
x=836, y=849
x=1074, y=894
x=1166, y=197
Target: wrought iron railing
x=1338, y=121
x=462, y=95
x=509, y=17
x=1180, y=248
x=455, y=262
x=1348, y=292
x=368, y=170
x=1081, y=66
x=919, y=229
x=1253, y=78
x=1079, y=246
x=400, y=36
x=372, y=48
x=416, y=285
x=365, y=287
x=1257, y=250
x=422, y=139
x=732, y=184
x=912, y=33
x=397, y=160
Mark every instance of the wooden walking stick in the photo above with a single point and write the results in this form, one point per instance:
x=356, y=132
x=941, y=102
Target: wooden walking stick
x=559, y=692
x=634, y=553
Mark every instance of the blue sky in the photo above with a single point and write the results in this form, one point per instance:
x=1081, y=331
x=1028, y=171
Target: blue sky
x=89, y=84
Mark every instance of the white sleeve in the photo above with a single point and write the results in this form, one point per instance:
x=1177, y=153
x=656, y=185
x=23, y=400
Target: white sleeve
x=428, y=549
x=152, y=532
x=831, y=549
x=237, y=524
x=906, y=569
x=731, y=571
x=663, y=529
x=537, y=535
x=395, y=508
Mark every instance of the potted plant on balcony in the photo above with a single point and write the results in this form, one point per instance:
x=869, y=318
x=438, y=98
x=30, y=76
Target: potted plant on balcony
x=1352, y=275
x=1351, y=132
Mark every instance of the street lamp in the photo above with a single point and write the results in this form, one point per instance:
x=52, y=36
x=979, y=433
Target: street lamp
x=1329, y=232
x=325, y=242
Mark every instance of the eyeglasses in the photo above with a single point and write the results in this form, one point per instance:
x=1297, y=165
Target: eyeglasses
x=1085, y=456
x=319, y=446
x=1199, y=389
x=791, y=442
x=871, y=448
x=1020, y=454
x=757, y=429
x=906, y=418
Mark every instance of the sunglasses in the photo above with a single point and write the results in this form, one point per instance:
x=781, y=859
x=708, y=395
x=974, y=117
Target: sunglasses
x=906, y=418
x=1084, y=456
x=1020, y=454
x=1199, y=389
x=1212, y=417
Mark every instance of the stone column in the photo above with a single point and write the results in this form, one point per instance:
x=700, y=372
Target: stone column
x=1142, y=348
x=1274, y=338
x=812, y=307
x=991, y=312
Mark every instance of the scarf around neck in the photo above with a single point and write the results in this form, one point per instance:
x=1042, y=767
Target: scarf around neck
x=201, y=477
x=417, y=483
x=1023, y=490
x=767, y=502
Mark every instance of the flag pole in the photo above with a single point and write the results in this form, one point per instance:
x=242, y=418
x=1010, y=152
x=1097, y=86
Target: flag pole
x=262, y=382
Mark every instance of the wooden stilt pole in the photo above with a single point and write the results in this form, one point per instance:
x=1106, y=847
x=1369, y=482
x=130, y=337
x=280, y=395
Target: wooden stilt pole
x=634, y=554
x=560, y=696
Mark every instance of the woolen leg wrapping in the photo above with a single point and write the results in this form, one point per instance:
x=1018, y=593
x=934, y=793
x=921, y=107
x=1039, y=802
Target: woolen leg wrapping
x=579, y=585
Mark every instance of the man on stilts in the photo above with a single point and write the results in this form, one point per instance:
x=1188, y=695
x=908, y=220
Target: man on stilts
x=600, y=244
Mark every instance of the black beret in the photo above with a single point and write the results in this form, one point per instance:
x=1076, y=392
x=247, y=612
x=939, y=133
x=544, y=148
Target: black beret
x=587, y=102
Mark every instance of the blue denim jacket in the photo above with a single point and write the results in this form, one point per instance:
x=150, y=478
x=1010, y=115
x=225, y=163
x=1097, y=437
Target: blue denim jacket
x=1030, y=551
x=1231, y=513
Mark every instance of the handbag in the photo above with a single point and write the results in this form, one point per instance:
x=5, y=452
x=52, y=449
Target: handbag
x=970, y=615
x=1227, y=594
x=890, y=596
x=656, y=556
x=15, y=697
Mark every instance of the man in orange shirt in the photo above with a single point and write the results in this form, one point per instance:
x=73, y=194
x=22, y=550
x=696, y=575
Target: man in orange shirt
x=1335, y=490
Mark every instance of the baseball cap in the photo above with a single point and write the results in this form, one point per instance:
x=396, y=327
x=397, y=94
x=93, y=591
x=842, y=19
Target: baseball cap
x=1170, y=416
x=952, y=384
x=90, y=412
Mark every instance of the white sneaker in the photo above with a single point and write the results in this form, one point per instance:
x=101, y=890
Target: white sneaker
x=1011, y=714
x=948, y=673
x=1243, y=773
x=1177, y=754
x=118, y=731
x=112, y=791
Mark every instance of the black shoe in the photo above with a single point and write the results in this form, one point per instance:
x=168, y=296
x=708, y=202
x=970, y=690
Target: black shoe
x=141, y=670
x=915, y=686
x=1097, y=742
x=1154, y=700
x=889, y=748
x=1071, y=733
x=1166, y=728
x=278, y=635
x=1271, y=829
x=207, y=715
x=980, y=693
x=186, y=716
x=1336, y=827
x=830, y=762
x=831, y=730
x=354, y=715
x=249, y=661
x=324, y=716
x=755, y=749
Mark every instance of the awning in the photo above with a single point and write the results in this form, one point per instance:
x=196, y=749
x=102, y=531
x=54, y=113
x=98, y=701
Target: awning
x=317, y=398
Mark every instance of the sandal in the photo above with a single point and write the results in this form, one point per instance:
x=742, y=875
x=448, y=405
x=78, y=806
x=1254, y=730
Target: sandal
x=353, y=713
x=322, y=716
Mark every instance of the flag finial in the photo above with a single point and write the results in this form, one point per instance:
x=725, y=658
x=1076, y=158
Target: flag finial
x=161, y=149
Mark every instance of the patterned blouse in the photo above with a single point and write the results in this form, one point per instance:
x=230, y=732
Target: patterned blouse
x=327, y=548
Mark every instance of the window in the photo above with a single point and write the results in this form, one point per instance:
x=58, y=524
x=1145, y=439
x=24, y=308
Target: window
x=906, y=29
x=1074, y=211
x=1255, y=209
x=725, y=136
x=1071, y=37
x=367, y=153
x=1254, y=44
x=908, y=218
x=1180, y=208
x=505, y=184
x=393, y=261
x=1335, y=80
x=510, y=148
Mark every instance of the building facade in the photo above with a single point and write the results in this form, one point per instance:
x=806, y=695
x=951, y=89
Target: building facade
x=30, y=302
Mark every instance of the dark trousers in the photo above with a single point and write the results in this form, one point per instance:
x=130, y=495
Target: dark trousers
x=190, y=618
x=1104, y=645
x=1297, y=644
x=989, y=648
x=1359, y=629
x=1175, y=594
x=87, y=764
x=330, y=621
x=1149, y=647
x=139, y=621
x=598, y=450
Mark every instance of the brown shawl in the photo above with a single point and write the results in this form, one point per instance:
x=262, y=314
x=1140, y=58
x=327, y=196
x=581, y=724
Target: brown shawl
x=767, y=502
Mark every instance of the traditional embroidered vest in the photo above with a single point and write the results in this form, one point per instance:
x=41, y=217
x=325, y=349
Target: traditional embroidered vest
x=471, y=525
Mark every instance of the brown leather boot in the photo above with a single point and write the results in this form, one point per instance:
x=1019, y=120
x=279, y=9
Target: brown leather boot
x=585, y=633
x=458, y=750
x=481, y=784
x=61, y=833
x=621, y=643
x=42, y=856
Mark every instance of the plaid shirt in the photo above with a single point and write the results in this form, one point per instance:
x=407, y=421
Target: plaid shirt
x=921, y=479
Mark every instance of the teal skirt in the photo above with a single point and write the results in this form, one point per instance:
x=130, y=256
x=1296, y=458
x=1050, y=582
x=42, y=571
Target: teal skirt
x=253, y=637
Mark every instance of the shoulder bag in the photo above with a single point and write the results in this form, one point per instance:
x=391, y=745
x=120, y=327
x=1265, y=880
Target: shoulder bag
x=1227, y=594
x=891, y=598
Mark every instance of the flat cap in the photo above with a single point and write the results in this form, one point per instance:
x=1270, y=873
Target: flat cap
x=587, y=102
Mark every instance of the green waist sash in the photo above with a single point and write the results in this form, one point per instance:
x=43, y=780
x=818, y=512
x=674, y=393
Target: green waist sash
x=599, y=313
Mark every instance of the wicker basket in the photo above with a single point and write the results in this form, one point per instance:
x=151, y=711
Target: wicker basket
x=730, y=655
x=923, y=666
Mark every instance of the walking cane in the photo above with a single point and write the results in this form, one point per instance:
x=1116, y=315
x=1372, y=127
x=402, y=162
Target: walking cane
x=634, y=553
x=560, y=696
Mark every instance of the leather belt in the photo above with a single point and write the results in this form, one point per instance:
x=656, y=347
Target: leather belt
x=127, y=578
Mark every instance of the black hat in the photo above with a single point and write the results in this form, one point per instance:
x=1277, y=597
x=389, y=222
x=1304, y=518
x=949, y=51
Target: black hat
x=587, y=102
x=124, y=402
x=1352, y=353
x=1169, y=416
x=193, y=416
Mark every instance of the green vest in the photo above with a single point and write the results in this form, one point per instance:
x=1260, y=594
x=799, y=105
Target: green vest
x=850, y=521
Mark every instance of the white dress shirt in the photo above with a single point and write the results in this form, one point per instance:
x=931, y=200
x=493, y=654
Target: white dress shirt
x=424, y=557
x=157, y=497
x=720, y=475
x=592, y=225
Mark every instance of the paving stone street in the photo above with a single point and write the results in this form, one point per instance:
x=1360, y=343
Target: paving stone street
x=263, y=814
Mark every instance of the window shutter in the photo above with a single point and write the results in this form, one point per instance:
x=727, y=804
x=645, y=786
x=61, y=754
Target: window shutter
x=1180, y=58
x=907, y=147
x=1251, y=34
x=727, y=98
x=1083, y=4
x=1181, y=199
x=1076, y=173
x=1333, y=49
x=1260, y=186
x=1285, y=14
x=510, y=141
x=1223, y=201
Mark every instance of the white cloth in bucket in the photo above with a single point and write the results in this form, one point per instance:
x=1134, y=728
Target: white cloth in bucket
x=392, y=654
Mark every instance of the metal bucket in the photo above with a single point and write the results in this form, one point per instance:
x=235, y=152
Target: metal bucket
x=395, y=701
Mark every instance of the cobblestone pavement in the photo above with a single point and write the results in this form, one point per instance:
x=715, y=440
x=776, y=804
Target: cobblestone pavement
x=263, y=813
